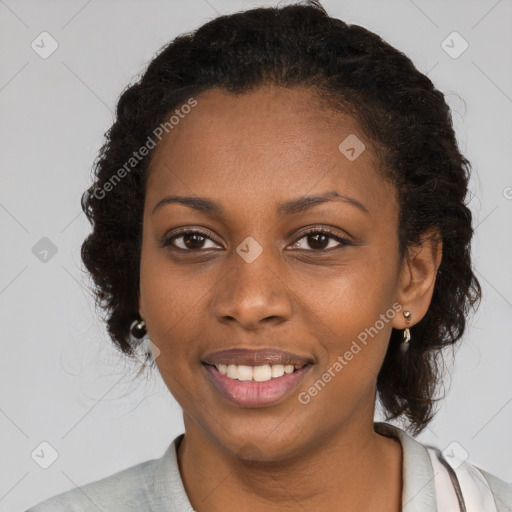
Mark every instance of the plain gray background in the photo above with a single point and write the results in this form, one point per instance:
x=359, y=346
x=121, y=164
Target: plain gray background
x=61, y=382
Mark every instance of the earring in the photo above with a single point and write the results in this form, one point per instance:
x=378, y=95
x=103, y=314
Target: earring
x=407, y=333
x=141, y=343
x=138, y=329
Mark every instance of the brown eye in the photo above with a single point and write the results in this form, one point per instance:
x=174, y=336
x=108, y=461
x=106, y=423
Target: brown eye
x=318, y=240
x=190, y=240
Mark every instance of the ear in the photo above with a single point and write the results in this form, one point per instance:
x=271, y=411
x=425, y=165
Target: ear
x=418, y=277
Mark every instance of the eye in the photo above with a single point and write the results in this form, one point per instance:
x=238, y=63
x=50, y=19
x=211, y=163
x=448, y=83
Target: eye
x=318, y=239
x=193, y=240
x=190, y=240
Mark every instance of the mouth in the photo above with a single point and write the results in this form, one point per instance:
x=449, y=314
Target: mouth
x=256, y=378
x=261, y=373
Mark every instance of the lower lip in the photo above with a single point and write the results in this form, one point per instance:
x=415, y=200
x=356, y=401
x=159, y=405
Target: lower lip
x=256, y=394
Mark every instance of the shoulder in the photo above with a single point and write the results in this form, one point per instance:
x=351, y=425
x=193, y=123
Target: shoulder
x=501, y=490
x=480, y=489
x=129, y=489
x=433, y=476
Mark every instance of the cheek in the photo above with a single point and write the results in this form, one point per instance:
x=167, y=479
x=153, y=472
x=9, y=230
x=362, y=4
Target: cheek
x=172, y=308
x=169, y=300
x=164, y=289
x=354, y=307
x=352, y=345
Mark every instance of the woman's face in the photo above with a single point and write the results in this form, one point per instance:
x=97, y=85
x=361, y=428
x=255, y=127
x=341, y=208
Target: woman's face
x=254, y=279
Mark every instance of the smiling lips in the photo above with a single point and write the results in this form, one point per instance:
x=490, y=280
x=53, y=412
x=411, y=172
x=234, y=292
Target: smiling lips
x=256, y=378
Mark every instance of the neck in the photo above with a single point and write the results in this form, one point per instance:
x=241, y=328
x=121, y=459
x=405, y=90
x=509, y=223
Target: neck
x=355, y=469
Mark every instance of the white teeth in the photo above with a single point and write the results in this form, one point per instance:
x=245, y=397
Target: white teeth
x=232, y=371
x=255, y=373
x=244, y=372
x=277, y=370
x=262, y=373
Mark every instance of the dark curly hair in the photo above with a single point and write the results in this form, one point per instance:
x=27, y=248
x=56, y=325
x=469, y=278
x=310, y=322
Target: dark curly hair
x=355, y=72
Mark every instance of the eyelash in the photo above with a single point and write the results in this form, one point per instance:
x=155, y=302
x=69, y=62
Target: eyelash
x=168, y=241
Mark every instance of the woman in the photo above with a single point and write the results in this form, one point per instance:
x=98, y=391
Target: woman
x=280, y=209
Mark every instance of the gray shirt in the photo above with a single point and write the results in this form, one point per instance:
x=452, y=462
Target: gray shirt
x=156, y=485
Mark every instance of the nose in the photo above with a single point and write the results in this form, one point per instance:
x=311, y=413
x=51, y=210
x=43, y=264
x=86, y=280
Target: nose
x=253, y=294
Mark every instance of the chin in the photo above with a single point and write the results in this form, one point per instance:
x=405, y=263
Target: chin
x=259, y=446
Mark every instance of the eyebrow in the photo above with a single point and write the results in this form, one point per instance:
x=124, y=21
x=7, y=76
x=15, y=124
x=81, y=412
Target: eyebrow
x=291, y=207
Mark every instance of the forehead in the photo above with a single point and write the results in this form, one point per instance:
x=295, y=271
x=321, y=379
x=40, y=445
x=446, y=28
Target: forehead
x=269, y=143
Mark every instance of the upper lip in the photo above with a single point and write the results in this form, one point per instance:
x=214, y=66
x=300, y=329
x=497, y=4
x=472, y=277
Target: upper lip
x=259, y=357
